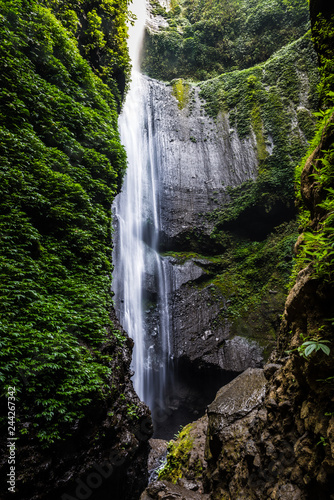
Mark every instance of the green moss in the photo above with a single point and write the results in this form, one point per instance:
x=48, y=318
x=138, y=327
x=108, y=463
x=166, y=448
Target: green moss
x=178, y=456
x=317, y=246
x=257, y=126
x=157, y=9
x=181, y=91
x=323, y=37
x=250, y=280
x=306, y=122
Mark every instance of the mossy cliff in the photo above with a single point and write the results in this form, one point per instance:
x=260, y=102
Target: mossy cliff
x=227, y=201
x=270, y=432
x=64, y=68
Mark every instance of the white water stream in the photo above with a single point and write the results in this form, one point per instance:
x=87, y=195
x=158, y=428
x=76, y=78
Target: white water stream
x=136, y=215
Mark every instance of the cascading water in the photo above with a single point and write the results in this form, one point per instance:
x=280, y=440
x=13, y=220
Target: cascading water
x=136, y=215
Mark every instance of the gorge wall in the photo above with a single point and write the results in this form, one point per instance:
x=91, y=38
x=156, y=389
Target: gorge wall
x=226, y=150
x=269, y=433
x=82, y=431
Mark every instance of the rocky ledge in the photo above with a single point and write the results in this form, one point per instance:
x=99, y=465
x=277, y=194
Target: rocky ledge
x=261, y=439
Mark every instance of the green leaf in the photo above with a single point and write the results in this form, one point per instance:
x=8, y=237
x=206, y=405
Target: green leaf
x=309, y=349
x=325, y=349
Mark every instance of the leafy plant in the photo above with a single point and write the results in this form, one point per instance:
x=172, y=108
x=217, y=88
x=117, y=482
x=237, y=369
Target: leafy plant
x=132, y=411
x=61, y=165
x=313, y=345
x=317, y=246
x=322, y=441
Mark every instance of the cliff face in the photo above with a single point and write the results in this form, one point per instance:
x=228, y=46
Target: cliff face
x=285, y=449
x=197, y=155
x=224, y=156
x=270, y=432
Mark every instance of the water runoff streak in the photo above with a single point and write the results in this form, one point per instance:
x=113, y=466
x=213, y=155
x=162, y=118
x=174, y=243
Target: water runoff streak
x=140, y=276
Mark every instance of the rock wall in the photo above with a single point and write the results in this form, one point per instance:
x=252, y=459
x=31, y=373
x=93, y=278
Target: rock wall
x=286, y=449
x=208, y=144
x=200, y=335
x=266, y=438
x=270, y=432
x=199, y=157
x=283, y=448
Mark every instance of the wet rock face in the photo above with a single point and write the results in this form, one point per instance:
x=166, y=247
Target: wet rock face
x=262, y=441
x=198, y=159
x=195, y=159
x=282, y=447
x=201, y=335
x=155, y=22
x=156, y=457
x=237, y=399
x=230, y=415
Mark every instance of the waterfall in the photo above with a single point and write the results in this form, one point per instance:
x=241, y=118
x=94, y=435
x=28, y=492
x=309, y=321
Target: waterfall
x=180, y=163
x=136, y=258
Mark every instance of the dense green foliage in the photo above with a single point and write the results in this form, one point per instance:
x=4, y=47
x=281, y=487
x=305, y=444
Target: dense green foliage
x=317, y=222
x=323, y=39
x=100, y=29
x=61, y=164
x=205, y=38
x=317, y=246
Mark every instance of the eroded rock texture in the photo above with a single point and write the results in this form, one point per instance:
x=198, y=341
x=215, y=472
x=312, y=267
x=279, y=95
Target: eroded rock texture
x=266, y=438
x=284, y=449
x=199, y=157
x=270, y=432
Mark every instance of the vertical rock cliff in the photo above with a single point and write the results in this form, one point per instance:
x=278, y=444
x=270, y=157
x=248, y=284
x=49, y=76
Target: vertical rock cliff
x=270, y=431
x=223, y=155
